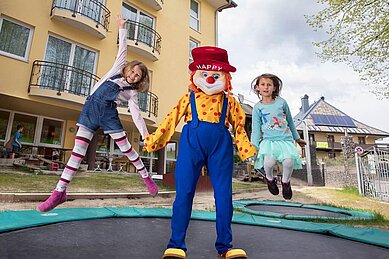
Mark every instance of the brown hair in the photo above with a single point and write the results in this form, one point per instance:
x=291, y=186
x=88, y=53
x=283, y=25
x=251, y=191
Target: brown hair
x=276, y=82
x=227, y=88
x=144, y=83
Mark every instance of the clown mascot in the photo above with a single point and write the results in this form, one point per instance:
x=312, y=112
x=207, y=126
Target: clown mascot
x=209, y=110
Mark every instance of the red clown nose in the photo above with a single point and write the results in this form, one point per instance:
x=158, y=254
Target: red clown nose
x=210, y=80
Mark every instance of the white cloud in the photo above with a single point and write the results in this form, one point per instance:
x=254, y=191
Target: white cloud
x=270, y=36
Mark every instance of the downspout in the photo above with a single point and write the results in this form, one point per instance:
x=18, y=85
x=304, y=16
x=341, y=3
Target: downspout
x=230, y=4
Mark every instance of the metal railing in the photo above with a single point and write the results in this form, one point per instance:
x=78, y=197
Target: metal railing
x=61, y=78
x=148, y=103
x=373, y=173
x=64, y=78
x=92, y=9
x=139, y=32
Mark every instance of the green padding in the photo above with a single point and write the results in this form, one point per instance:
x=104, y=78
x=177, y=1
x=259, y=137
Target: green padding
x=365, y=235
x=11, y=220
x=349, y=214
x=133, y=212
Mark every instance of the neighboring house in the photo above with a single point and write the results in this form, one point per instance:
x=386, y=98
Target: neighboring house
x=50, y=59
x=327, y=127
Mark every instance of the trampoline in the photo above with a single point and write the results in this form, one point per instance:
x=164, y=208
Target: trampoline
x=143, y=233
x=290, y=210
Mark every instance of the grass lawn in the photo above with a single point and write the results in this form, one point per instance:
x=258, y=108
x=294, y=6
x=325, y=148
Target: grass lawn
x=19, y=181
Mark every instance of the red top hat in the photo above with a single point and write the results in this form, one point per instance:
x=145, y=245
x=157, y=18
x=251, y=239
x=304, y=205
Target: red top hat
x=210, y=58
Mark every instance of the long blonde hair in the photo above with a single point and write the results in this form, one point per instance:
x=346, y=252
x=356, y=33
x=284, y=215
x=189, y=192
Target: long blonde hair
x=143, y=84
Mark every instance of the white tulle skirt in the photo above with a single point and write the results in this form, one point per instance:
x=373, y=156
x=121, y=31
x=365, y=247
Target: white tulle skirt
x=279, y=150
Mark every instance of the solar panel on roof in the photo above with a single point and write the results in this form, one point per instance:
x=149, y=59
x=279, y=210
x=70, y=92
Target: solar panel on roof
x=332, y=120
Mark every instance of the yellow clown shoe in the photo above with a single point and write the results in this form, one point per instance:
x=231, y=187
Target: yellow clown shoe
x=234, y=254
x=174, y=253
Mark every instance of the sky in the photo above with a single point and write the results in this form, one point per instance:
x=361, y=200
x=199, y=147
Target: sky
x=271, y=36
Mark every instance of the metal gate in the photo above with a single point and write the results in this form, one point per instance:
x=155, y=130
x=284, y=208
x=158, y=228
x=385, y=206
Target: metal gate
x=373, y=173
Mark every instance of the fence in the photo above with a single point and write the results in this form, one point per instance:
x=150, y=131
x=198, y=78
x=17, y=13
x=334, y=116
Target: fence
x=373, y=173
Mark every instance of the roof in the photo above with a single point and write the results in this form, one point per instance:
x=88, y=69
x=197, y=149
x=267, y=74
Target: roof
x=320, y=110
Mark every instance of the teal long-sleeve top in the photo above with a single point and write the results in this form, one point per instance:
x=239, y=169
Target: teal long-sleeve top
x=272, y=121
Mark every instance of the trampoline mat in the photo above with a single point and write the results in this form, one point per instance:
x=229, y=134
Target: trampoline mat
x=296, y=211
x=138, y=238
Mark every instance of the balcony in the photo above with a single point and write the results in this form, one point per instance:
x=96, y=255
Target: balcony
x=90, y=16
x=155, y=4
x=336, y=146
x=143, y=40
x=71, y=84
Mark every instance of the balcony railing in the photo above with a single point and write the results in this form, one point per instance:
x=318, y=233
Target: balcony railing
x=139, y=32
x=92, y=9
x=61, y=78
x=148, y=103
x=67, y=79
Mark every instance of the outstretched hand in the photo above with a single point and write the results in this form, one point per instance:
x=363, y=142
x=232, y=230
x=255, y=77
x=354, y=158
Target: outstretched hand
x=301, y=142
x=120, y=21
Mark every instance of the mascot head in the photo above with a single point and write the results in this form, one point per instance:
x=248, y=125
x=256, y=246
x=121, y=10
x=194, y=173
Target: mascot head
x=210, y=70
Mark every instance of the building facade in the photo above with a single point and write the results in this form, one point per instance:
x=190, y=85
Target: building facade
x=50, y=59
x=331, y=132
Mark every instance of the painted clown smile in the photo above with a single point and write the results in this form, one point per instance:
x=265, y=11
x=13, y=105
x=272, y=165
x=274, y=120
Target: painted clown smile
x=209, y=89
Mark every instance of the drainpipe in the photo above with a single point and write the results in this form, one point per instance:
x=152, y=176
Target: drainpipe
x=230, y=4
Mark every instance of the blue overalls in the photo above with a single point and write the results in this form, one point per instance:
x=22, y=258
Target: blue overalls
x=100, y=111
x=210, y=144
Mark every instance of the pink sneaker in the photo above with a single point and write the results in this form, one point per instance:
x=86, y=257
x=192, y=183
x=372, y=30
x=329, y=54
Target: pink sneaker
x=55, y=199
x=151, y=186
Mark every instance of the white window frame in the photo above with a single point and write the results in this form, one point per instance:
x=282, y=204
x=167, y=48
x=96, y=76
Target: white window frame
x=39, y=132
x=196, y=18
x=72, y=52
x=38, y=129
x=138, y=11
x=195, y=42
x=169, y=159
x=29, y=40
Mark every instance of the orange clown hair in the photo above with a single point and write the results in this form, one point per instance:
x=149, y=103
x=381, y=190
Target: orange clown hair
x=228, y=86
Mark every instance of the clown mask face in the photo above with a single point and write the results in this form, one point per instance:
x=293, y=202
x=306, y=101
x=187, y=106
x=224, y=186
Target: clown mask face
x=210, y=82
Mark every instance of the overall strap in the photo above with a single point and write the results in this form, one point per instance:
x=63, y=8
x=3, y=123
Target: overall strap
x=195, y=117
x=224, y=112
x=115, y=77
x=130, y=87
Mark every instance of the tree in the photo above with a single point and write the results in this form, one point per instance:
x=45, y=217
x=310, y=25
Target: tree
x=358, y=33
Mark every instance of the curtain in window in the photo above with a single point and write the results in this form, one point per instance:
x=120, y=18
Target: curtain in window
x=83, y=62
x=130, y=14
x=14, y=38
x=142, y=31
x=54, y=75
x=145, y=33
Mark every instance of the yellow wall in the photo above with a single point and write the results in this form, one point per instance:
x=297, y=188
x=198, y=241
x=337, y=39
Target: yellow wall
x=170, y=76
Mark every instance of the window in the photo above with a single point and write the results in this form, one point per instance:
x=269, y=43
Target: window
x=171, y=157
x=140, y=25
x=51, y=132
x=361, y=140
x=192, y=44
x=311, y=138
x=4, y=118
x=330, y=139
x=331, y=155
x=149, y=160
x=194, y=15
x=102, y=142
x=74, y=79
x=15, y=39
x=29, y=124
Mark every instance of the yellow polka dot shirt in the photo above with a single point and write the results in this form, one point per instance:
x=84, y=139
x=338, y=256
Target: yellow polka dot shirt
x=209, y=109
